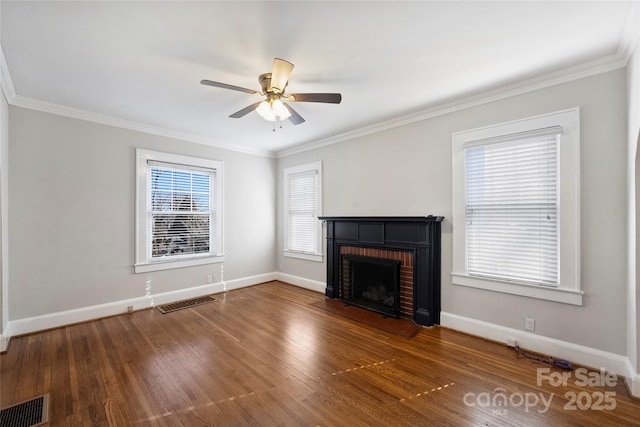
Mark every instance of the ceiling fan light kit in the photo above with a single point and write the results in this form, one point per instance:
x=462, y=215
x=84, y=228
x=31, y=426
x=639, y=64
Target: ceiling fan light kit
x=273, y=110
x=273, y=86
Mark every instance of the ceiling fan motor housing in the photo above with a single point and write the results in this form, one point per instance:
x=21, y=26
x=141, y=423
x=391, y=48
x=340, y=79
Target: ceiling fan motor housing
x=265, y=83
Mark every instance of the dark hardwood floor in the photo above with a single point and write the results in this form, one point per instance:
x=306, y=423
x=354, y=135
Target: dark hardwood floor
x=264, y=355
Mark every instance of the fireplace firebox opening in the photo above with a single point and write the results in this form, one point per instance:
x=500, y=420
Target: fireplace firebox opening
x=371, y=283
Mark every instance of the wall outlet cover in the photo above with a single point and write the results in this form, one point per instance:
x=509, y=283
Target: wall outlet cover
x=529, y=324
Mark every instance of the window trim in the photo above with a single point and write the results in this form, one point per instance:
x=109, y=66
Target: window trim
x=569, y=286
x=142, y=262
x=318, y=255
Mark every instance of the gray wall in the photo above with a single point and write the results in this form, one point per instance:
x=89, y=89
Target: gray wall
x=406, y=171
x=4, y=230
x=72, y=209
x=633, y=138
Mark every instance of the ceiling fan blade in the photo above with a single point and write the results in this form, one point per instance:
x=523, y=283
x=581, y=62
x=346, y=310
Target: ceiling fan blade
x=280, y=74
x=295, y=118
x=330, y=98
x=245, y=110
x=226, y=86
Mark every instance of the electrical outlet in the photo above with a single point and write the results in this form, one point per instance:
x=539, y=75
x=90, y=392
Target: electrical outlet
x=209, y=278
x=529, y=324
x=130, y=309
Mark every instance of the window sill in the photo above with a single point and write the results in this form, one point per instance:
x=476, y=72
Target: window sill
x=167, y=265
x=562, y=295
x=304, y=255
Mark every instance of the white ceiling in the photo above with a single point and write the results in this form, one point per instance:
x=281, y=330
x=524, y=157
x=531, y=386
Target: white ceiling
x=139, y=63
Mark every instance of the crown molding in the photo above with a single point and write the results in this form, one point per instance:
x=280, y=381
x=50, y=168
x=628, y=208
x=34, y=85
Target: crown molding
x=628, y=41
x=76, y=113
x=631, y=32
x=626, y=45
x=591, y=68
x=587, y=69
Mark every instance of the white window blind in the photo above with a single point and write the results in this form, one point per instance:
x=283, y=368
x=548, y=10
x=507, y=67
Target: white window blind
x=302, y=202
x=181, y=211
x=511, y=209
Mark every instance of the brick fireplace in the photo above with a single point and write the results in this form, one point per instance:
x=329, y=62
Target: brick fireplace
x=404, y=259
x=411, y=243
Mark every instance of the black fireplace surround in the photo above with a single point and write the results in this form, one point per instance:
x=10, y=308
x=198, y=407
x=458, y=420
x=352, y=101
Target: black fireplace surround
x=418, y=235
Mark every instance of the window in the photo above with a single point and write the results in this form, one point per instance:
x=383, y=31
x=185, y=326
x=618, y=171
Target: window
x=511, y=210
x=178, y=211
x=303, y=205
x=516, y=207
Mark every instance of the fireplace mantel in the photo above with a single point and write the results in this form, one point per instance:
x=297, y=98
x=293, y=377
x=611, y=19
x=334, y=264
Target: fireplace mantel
x=418, y=235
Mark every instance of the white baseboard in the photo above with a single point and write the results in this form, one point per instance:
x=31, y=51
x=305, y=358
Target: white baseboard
x=302, y=282
x=557, y=349
x=83, y=314
x=4, y=342
x=633, y=379
x=634, y=385
x=248, y=281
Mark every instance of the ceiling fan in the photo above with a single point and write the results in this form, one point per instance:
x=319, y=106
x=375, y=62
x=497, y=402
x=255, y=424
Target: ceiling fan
x=273, y=85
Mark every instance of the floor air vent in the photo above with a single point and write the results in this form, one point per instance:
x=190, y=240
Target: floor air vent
x=31, y=413
x=175, y=306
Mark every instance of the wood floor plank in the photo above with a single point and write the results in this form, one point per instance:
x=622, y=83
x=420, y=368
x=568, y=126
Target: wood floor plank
x=265, y=355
